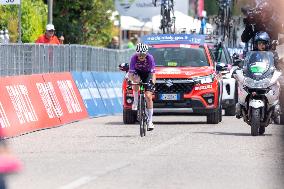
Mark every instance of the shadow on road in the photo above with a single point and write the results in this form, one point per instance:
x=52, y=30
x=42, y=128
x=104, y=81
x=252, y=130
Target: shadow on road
x=178, y=123
x=115, y=123
x=116, y=136
x=230, y=134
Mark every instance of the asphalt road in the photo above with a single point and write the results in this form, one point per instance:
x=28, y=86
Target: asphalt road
x=181, y=153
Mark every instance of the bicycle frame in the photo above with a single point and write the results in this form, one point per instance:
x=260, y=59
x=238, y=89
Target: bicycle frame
x=142, y=105
x=224, y=22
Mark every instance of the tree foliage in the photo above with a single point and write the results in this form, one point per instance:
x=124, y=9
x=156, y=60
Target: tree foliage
x=33, y=19
x=84, y=21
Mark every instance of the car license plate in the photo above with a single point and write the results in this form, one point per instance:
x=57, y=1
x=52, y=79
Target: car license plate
x=169, y=97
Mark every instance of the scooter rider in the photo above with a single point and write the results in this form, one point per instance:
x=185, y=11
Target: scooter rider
x=261, y=43
x=142, y=67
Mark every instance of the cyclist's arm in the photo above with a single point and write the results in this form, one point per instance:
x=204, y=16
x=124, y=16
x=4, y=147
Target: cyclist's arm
x=132, y=64
x=131, y=73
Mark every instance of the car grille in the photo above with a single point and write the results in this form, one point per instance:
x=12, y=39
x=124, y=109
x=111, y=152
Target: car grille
x=174, y=86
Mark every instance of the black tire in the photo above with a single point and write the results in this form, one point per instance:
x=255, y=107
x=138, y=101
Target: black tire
x=220, y=114
x=230, y=111
x=261, y=130
x=142, y=116
x=281, y=120
x=255, y=122
x=129, y=116
x=214, y=117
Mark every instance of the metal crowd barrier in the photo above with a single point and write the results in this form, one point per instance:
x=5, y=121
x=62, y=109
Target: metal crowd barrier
x=26, y=59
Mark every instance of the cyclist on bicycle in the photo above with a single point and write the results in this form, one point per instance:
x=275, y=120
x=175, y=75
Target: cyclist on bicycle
x=142, y=67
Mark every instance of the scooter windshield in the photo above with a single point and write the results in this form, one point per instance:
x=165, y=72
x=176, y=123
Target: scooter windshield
x=259, y=64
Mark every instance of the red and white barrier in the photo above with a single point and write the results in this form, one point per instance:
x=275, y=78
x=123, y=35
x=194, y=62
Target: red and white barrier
x=33, y=102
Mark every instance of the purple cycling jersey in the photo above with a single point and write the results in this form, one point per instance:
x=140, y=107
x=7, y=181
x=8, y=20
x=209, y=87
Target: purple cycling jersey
x=148, y=65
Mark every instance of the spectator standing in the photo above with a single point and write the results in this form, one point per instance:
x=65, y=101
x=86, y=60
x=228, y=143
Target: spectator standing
x=114, y=43
x=6, y=36
x=49, y=37
x=203, y=25
x=132, y=42
x=2, y=36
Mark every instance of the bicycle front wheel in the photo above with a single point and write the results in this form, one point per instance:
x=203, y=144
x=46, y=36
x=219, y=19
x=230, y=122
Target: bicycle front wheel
x=142, y=116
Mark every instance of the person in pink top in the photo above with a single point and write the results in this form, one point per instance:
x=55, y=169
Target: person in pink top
x=8, y=163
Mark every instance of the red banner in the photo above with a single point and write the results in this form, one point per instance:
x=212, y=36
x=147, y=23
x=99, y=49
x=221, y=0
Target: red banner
x=33, y=102
x=22, y=105
x=68, y=100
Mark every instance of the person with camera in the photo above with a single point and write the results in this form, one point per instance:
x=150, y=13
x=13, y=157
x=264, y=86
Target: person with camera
x=262, y=26
x=261, y=19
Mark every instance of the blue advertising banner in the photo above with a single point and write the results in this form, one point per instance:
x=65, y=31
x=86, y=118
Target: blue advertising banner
x=174, y=39
x=84, y=92
x=116, y=80
x=100, y=109
x=102, y=84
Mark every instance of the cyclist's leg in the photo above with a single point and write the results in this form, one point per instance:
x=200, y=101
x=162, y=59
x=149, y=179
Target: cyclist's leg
x=135, y=78
x=148, y=96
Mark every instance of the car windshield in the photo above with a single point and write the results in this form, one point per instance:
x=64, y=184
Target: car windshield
x=179, y=56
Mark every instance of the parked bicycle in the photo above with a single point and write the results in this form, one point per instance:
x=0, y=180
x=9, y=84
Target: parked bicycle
x=168, y=17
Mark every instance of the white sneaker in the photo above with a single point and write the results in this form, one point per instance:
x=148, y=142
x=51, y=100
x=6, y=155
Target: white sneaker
x=150, y=126
x=134, y=106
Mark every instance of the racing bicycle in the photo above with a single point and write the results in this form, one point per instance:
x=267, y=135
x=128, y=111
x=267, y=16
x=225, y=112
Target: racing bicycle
x=141, y=114
x=167, y=21
x=224, y=19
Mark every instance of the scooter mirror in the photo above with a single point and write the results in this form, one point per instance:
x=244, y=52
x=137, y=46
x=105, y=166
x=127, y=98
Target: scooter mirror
x=281, y=41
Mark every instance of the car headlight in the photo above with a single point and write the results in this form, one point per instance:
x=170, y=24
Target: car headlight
x=204, y=79
x=265, y=83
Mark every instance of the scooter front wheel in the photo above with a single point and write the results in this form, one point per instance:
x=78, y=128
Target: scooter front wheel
x=255, y=121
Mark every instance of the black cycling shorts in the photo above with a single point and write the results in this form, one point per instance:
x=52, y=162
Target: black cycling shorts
x=145, y=78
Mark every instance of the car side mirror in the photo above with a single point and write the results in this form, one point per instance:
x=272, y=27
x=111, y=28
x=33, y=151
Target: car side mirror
x=123, y=67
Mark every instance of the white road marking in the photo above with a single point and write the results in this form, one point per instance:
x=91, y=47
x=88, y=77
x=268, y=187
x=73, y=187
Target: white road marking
x=87, y=179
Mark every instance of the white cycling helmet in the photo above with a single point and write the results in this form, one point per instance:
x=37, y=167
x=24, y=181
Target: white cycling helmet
x=141, y=48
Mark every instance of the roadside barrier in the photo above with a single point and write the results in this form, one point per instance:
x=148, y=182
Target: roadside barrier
x=34, y=102
x=111, y=92
x=116, y=82
x=85, y=93
x=99, y=109
x=68, y=95
x=106, y=95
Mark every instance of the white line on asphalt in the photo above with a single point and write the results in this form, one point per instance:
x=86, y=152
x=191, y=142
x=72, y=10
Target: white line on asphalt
x=77, y=183
x=87, y=179
x=172, y=141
